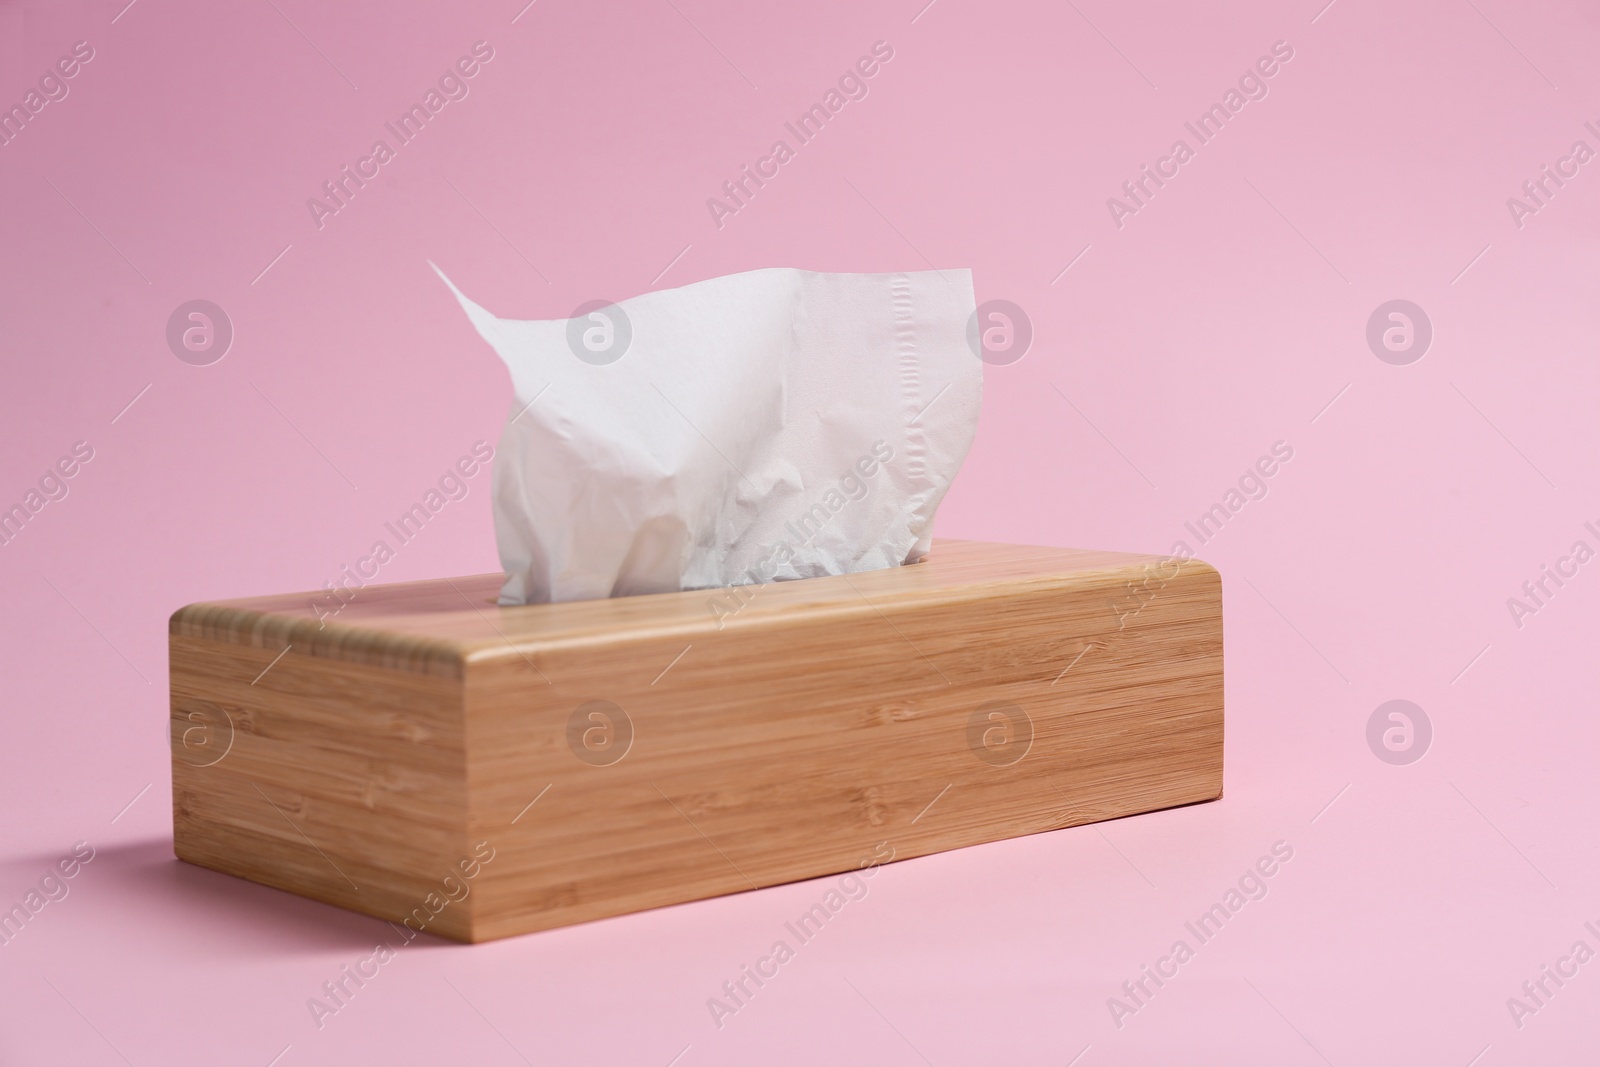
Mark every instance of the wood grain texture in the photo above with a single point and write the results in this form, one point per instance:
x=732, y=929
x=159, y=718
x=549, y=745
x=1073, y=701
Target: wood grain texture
x=772, y=733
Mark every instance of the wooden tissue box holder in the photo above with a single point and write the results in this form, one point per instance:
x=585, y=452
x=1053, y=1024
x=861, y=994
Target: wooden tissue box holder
x=428, y=757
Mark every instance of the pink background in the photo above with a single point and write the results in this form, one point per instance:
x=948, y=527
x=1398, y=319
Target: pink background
x=1223, y=317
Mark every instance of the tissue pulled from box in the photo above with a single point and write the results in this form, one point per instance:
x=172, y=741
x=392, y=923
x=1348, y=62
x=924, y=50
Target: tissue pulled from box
x=763, y=426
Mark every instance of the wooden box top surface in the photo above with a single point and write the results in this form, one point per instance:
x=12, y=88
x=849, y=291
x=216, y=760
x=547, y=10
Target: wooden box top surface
x=456, y=620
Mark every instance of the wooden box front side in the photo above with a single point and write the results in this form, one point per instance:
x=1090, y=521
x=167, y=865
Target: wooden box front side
x=652, y=766
x=337, y=780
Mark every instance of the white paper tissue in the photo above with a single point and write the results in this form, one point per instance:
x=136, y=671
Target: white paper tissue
x=762, y=426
